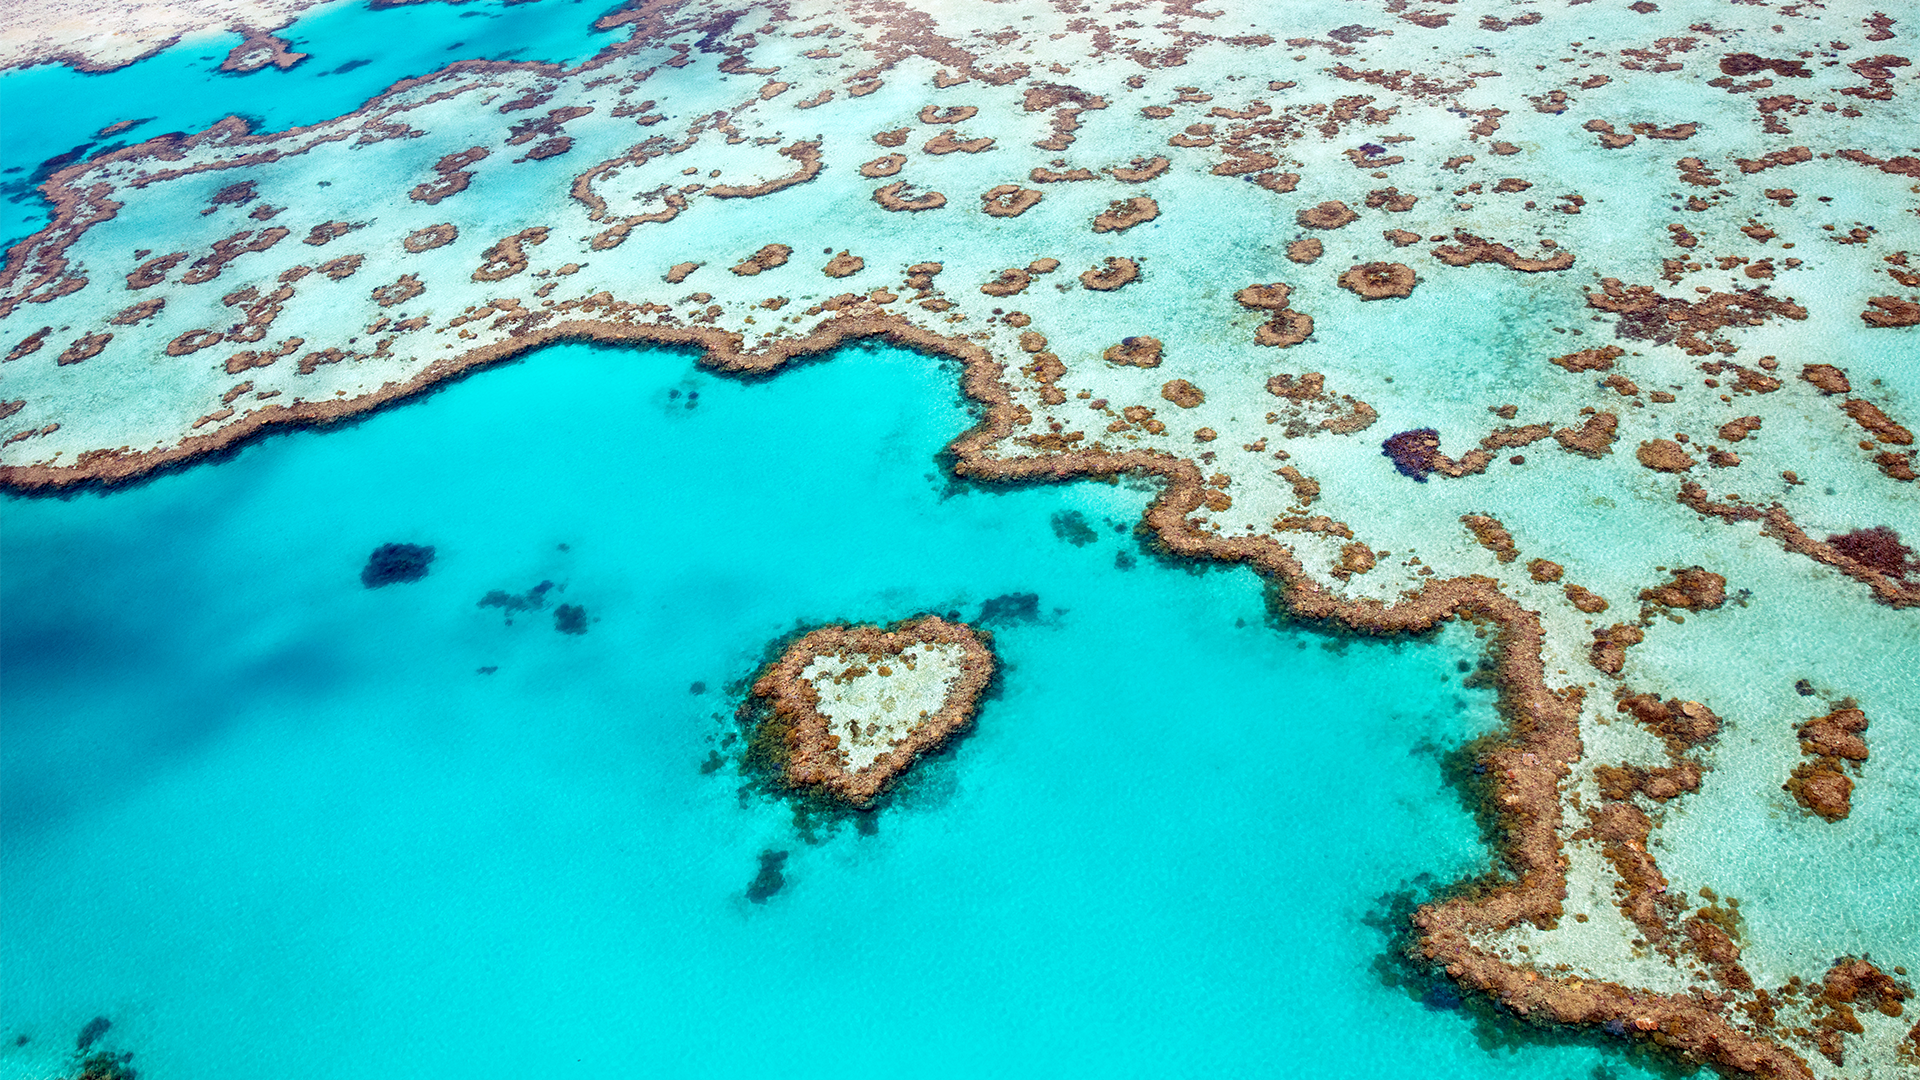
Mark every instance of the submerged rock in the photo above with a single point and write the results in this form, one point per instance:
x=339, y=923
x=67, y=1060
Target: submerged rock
x=570, y=619
x=395, y=564
x=769, y=880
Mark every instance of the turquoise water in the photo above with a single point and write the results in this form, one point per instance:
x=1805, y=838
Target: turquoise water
x=354, y=53
x=273, y=823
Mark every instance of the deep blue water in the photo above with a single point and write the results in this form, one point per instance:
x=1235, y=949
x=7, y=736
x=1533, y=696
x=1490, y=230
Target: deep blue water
x=273, y=823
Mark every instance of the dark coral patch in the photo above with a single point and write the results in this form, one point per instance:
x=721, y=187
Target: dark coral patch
x=1878, y=548
x=570, y=619
x=394, y=564
x=1413, y=452
x=769, y=880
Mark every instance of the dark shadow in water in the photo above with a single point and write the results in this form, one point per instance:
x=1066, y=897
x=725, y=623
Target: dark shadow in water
x=396, y=564
x=1016, y=607
x=1071, y=527
x=1463, y=772
x=769, y=880
x=570, y=619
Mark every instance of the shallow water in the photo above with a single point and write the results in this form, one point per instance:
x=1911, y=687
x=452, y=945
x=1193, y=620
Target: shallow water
x=354, y=53
x=271, y=822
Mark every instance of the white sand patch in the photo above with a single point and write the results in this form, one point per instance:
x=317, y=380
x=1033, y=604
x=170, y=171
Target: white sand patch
x=1601, y=947
x=872, y=701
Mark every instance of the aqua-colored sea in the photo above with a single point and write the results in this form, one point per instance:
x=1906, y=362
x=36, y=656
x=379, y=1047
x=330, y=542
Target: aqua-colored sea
x=269, y=822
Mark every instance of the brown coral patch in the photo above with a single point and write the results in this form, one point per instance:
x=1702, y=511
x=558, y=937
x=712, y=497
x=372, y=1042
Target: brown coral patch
x=1011, y=282
x=1183, y=393
x=1123, y=214
x=225, y=251
x=949, y=141
x=431, y=237
x=1008, y=200
x=808, y=158
x=936, y=116
x=893, y=197
x=1693, y=588
x=1508, y=438
x=1468, y=249
x=134, y=313
x=509, y=256
x=1876, y=423
x=1664, y=455
x=1139, y=350
x=1855, y=980
x=1585, y=599
x=1659, y=784
x=1491, y=535
x=1820, y=787
x=1264, y=297
x=1838, y=734
x=1600, y=359
x=1544, y=570
x=811, y=755
x=1306, y=250
x=1827, y=378
x=1331, y=214
x=884, y=165
x=1682, y=724
x=328, y=231
x=1891, y=311
x=1139, y=170
x=342, y=268
x=765, y=259
x=193, y=341
x=1391, y=199
x=1609, y=650
x=1355, y=558
x=1591, y=439
x=1287, y=328
x=1691, y=324
x=1118, y=271
x=1379, y=280
x=842, y=265
x=154, y=271
x=86, y=347
x=261, y=49
x=1311, y=386
x=452, y=177
x=399, y=292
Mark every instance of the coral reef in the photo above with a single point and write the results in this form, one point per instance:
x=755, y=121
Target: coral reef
x=396, y=564
x=821, y=739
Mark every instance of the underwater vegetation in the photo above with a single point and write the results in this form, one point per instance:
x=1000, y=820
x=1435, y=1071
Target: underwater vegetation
x=396, y=564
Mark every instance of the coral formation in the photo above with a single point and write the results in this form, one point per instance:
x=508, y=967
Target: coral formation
x=842, y=729
x=395, y=564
